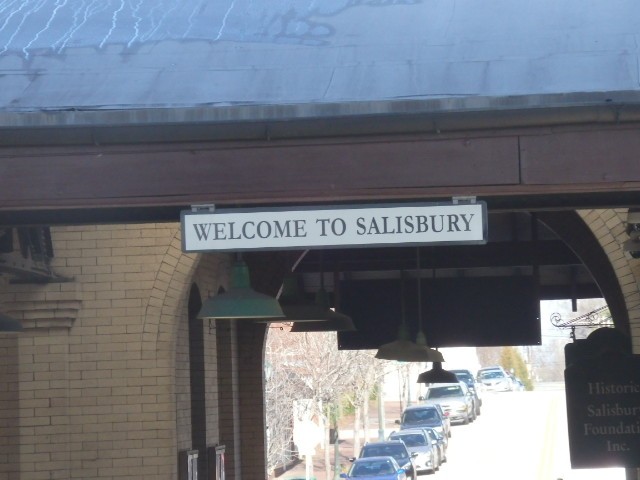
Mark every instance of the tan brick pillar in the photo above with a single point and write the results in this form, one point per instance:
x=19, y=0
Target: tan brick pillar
x=9, y=407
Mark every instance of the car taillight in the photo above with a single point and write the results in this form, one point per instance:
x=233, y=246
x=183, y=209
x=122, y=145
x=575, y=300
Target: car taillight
x=446, y=414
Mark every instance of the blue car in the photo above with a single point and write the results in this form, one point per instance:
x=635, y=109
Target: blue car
x=375, y=468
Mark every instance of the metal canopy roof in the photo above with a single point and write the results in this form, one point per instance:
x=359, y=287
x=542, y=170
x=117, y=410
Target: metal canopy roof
x=238, y=60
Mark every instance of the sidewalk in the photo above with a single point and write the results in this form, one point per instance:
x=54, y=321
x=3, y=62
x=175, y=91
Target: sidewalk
x=392, y=413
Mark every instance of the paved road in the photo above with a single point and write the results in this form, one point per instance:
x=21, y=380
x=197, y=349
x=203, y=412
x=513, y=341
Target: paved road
x=520, y=435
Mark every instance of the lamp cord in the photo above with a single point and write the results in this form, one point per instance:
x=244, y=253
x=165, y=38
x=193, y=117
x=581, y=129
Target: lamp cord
x=419, y=288
x=402, y=299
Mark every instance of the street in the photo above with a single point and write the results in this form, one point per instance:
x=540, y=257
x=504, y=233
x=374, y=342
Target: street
x=520, y=435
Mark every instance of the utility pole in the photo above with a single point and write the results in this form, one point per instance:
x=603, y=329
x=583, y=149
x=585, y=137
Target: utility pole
x=336, y=443
x=408, y=380
x=381, y=408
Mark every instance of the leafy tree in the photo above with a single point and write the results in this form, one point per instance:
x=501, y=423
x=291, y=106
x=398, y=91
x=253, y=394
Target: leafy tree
x=512, y=361
x=364, y=378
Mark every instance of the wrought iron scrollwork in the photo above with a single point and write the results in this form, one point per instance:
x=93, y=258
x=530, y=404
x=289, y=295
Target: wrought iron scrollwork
x=600, y=317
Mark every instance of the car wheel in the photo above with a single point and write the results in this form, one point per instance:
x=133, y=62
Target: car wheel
x=466, y=420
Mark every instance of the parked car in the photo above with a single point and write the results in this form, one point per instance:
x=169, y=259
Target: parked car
x=417, y=440
x=475, y=387
x=417, y=416
x=495, y=379
x=446, y=421
x=375, y=468
x=455, y=399
x=441, y=441
x=518, y=385
x=392, y=448
x=491, y=369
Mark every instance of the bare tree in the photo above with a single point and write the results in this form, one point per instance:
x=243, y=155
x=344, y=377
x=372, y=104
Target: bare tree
x=318, y=372
x=283, y=386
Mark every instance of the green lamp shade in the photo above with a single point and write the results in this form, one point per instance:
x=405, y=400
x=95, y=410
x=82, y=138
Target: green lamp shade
x=9, y=325
x=241, y=301
x=291, y=293
x=331, y=322
x=437, y=375
x=404, y=350
x=317, y=317
x=408, y=351
x=295, y=306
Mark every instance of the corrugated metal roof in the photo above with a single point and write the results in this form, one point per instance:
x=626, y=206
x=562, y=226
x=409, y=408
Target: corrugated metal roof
x=126, y=55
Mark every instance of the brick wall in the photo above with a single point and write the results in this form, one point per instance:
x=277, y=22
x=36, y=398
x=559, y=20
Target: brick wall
x=100, y=385
x=97, y=360
x=9, y=406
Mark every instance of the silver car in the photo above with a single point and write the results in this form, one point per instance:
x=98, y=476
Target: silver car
x=455, y=399
x=495, y=380
x=418, y=441
x=440, y=441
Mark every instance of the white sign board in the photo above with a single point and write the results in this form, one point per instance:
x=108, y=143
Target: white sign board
x=343, y=226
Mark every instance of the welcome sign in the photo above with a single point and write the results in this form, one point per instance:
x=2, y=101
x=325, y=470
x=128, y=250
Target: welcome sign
x=338, y=226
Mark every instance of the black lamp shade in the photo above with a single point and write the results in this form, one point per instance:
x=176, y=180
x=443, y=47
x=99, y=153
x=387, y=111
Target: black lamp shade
x=437, y=375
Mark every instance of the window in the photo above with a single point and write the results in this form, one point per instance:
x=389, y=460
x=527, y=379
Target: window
x=442, y=392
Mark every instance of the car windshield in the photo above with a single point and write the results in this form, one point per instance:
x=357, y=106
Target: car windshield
x=494, y=374
x=442, y=392
x=399, y=452
x=420, y=415
x=371, y=468
x=465, y=377
x=410, y=439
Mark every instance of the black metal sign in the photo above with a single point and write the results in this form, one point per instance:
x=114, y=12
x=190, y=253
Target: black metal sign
x=602, y=382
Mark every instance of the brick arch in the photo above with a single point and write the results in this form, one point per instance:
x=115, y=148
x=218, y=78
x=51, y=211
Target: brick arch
x=576, y=232
x=609, y=228
x=169, y=295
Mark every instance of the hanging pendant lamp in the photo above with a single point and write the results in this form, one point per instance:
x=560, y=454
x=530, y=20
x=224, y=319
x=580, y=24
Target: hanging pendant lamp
x=402, y=345
x=432, y=355
x=318, y=317
x=403, y=349
x=437, y=375
x=9, y=325
x=241, y=301
x=295, y=306
x=327, y=320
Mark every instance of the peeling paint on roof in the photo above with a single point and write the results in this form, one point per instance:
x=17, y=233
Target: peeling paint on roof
x=58, y=55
